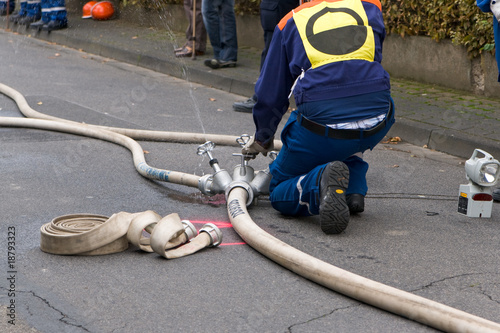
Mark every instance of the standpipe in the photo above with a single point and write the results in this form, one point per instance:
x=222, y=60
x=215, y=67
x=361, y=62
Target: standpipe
x=240, y=190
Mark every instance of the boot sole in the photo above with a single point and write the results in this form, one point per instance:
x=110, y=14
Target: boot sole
x=333, y=209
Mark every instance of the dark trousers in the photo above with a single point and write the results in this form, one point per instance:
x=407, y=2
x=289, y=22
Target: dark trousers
x=298, y=168
x=200, y=31
x=271, y=12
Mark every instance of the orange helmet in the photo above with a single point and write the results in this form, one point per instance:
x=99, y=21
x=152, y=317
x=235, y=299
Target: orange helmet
x=102, y=10
x=87, y=8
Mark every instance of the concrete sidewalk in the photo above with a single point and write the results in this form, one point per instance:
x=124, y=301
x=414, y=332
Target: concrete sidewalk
x=450, y=121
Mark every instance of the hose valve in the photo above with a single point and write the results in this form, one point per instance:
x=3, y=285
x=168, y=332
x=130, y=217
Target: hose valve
x=243, y=172
x=216, y=183
x=207, y=148
x=242, y=141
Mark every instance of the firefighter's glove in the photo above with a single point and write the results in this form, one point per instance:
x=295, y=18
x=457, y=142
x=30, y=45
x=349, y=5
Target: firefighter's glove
x=252, y=148
x=495, y=8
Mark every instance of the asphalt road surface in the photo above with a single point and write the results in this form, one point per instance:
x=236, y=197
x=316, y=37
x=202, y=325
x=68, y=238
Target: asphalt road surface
x=409, y=237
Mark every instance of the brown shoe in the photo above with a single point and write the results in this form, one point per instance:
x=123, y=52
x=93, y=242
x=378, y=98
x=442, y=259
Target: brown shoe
x=179, y=49
x=187, y=52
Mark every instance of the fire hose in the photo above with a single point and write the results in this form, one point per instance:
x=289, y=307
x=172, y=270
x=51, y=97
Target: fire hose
x=89, y=234
x=239, y=190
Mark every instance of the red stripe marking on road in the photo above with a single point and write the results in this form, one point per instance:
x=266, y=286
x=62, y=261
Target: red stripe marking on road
x=221, y=225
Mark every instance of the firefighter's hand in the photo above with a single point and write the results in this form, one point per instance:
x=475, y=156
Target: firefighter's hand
x=252, y=148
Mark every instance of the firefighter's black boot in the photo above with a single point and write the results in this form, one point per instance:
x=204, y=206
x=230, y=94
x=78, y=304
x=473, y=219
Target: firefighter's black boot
x=55, y=25
x=38, y=25
x=27, y=20
x=16, y=17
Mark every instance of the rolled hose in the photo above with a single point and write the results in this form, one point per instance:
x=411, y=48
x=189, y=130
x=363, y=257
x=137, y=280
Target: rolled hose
x=89, y=234
x=370, y=292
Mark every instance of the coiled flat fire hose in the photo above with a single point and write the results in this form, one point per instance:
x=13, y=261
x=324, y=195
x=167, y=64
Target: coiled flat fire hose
x=376, y=294
x=88, y=234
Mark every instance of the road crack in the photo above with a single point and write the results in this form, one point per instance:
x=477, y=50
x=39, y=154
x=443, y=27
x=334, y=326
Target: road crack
x=290, y=328
x=63, y=319
x=479, y=285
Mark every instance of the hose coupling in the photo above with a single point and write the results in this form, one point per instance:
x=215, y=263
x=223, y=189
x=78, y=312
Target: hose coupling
x=189, y=229
x=214, y=232
x=214, y=184
x=246, y=186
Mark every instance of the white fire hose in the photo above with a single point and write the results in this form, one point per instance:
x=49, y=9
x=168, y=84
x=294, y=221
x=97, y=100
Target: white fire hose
x=399, y=302
x=88, y=234
x=368, y=291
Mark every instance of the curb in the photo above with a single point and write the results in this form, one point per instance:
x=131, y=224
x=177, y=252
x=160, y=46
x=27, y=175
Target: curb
x=448, y=141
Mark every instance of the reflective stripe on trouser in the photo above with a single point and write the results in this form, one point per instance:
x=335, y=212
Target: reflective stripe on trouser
x=298, y=168
x=57, y=10
x=33, y=8
x=53, y=10
x=45, y=13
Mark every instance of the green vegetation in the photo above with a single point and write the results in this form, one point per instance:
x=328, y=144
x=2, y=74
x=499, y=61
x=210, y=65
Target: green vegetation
x=459, y=20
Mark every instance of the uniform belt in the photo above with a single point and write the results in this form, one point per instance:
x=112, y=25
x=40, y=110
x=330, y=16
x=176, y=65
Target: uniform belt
x=346, y=134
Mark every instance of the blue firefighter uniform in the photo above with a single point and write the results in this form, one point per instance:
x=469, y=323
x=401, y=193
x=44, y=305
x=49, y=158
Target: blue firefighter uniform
x=484, y=5
x=21, y=13
x=7, y=6
x=328, y=53
x=30, y=12
x=53, y=16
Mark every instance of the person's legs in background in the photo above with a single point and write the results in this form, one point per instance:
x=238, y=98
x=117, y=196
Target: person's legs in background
x=271, y=12
x=228, y=37
x=7, y=7
x=58, y=16
x=220, y=23
x=21, y=13
x=209, y=9
x=37, y=12
x=200, y=34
